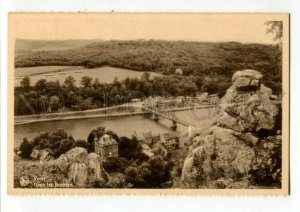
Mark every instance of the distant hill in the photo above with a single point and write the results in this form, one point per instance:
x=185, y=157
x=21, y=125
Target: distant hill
x=214, y=60
x=26, y=46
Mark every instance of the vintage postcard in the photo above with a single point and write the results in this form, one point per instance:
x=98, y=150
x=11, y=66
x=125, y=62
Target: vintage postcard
x=148, y=103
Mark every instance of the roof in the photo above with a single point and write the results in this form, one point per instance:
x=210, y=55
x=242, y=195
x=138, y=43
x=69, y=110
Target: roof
x=147, y=134
x=106, y=140
x=171, y=135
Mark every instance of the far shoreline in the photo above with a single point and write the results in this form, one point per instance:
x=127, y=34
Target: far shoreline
x=23, y=120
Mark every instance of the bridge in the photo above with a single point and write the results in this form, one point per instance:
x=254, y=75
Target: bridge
x=168, y=115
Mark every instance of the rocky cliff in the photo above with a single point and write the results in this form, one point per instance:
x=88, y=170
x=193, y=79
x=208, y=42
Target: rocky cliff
x=249, y=117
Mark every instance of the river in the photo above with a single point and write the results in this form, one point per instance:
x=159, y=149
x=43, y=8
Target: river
x=122, y=125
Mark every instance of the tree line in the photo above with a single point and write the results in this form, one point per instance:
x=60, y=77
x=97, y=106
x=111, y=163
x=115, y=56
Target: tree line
x=49, y=96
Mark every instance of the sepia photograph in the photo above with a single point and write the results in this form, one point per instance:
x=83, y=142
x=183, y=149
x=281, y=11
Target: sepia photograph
x=148, y=103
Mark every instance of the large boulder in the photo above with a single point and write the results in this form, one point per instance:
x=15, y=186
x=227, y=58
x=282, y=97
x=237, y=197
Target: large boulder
x=42, y=154
x=187, y=176
x=193, y=131
x=78, y=174
x=246, y=78
x=77, y=154
x=248, y=111
x=94, y=164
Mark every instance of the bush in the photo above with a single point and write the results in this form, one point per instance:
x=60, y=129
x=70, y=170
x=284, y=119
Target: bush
x=65, y=145
x=25, y=148
x=115, y=182
x=200, y=176
x=99, y=132
x=58, y=142
x=84, y=144
x=266, y=168
x=154, y=173
x=129, y=148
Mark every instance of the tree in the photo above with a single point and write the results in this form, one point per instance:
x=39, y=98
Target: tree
x=276, y=28
x=43, y=103
x=86, y=81
x=87, y=103
x=69, y=82
x=96, y=83
x=99, y=132
x=84, y=144
x=65, y=145
x=129, y=148
x=25, y=83
x=40, y=85
x=135, y=177
x=145, y=76
x=160, y=171
x=25, y=148
x=59, y=142
x=54, y=102
x=52, y=88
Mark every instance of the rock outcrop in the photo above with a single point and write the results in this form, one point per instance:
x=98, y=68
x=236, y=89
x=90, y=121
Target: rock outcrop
x=75, y=168
x=42, y=155
x=247, y=115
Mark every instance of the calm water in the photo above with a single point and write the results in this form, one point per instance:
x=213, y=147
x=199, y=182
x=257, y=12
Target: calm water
x=123, y=126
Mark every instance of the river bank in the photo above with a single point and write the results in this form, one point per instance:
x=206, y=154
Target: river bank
x=114, y=111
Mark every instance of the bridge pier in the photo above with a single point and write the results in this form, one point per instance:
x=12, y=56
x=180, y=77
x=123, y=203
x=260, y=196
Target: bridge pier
x=155, y=117
x=174, y=125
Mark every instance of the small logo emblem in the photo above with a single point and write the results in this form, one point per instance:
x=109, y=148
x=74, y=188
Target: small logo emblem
x=24, y=181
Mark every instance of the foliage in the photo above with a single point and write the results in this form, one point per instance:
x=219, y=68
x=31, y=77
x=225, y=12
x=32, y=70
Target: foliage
x=58, y=141
x=95, y=133
x=25, y=83
x=199, y=176
x=25, y=148
x=276, y=28
x=54, y=102
x=129, y=148
x=116, y=164
x=84, y=144
x=149, y=174
x=114, y=182
x=266, y=168
x=86, y=81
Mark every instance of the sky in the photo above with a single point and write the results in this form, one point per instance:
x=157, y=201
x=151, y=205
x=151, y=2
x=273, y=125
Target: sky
x=245, y=28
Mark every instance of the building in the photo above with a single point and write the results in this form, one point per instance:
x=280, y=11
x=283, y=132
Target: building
x=147, y=137
x=106, y=147
x=153, y=102
x=135, y=100
x=150, y=139
x=171, y=140
x=178, y=71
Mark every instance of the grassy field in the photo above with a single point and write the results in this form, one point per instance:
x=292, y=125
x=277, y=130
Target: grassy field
x=40, y=70
x=60, y=73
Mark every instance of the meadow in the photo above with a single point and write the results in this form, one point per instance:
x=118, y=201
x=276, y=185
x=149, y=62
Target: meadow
x=60, y=73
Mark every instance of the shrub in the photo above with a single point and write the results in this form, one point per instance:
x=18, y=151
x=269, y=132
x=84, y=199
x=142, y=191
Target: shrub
x=200, y=176
x=266, y=168
x=25, y=148
x=58, y=142
x=84, y=144
x=65, y=145
x=115, y=182
x=129, y=148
